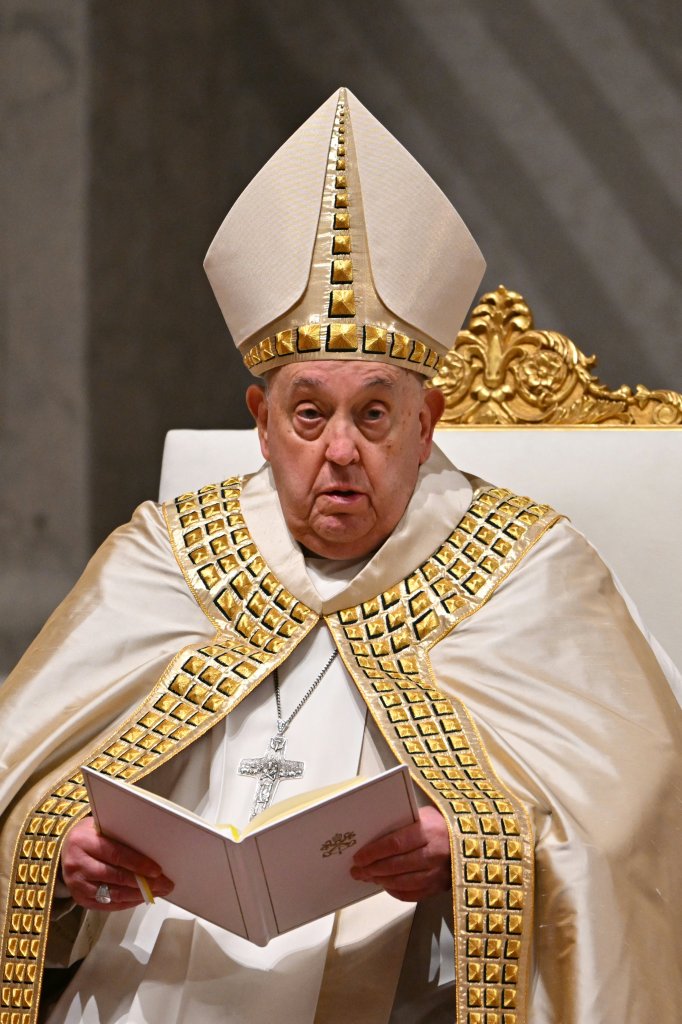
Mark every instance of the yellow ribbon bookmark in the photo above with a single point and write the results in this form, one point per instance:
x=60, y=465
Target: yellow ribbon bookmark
x=143, y=886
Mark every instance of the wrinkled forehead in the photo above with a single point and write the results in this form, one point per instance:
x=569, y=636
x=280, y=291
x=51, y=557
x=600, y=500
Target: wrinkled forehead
x=336, y=377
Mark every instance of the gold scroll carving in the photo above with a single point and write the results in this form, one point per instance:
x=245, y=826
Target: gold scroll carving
x=502, y=371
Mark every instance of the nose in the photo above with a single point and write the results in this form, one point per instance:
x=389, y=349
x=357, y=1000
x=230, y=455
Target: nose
x=342, y=447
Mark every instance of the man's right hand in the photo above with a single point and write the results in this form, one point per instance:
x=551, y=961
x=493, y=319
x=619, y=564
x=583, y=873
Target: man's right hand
x=89, y=860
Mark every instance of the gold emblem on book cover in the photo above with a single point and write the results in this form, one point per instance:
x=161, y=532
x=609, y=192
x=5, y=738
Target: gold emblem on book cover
x=338, y=843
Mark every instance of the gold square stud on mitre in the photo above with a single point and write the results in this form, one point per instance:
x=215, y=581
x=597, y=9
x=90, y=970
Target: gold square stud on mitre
x=342, y=338
x=342, y=271
x=342, y=302
x=309, y=338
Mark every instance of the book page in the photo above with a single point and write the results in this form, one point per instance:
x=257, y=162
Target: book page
x=294, y=804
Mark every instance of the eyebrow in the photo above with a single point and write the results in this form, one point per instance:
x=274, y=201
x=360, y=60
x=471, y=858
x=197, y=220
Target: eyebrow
x=314, y=382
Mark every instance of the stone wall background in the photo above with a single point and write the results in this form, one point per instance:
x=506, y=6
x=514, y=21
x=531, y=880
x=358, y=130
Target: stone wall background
x=45, y=285
x=129, y=128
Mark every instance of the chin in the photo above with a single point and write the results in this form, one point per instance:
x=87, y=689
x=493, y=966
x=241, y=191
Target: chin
x=343, y=552
x=342, y=545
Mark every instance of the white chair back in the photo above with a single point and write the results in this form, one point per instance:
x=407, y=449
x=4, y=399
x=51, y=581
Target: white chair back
x=621, y=487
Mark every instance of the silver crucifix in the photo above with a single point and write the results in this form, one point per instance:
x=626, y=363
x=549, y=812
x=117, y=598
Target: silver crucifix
x=269, y=770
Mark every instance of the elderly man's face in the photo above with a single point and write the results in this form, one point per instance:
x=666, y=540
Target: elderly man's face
x=345, y=441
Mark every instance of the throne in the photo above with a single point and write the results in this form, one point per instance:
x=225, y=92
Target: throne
x=524, y=411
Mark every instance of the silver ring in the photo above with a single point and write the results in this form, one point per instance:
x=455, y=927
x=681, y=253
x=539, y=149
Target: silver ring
x=103, y=894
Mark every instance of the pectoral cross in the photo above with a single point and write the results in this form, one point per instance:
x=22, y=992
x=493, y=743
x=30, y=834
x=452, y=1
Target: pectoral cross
x=269, y=770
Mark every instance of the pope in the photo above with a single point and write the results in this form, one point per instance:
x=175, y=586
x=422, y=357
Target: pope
x=383, y=607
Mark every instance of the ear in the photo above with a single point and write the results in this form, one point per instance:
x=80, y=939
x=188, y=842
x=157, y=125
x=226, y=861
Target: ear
x=257, y=404
x=431, y=412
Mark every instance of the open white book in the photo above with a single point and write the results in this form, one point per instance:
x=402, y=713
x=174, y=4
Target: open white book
x=290, y=866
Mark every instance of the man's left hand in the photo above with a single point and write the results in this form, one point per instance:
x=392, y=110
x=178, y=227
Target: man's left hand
x=411, y=863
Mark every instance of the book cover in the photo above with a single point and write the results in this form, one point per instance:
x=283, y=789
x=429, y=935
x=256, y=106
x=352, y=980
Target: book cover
x=289, y=866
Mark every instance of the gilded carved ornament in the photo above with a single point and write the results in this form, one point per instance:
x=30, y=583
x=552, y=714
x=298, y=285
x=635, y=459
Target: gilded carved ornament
x=502, y=371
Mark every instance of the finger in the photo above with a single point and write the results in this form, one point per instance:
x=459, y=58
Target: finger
x=415, y=881
x=418, y=847
x=120, y=899
x=389, y=867
x=89, y=870
x=419, y=885
x=126, y=880
x=414, y=895
x=412, y=863
x=84, y=892
x=120, y=856
x=86, y=872
x=394, y=844
x=84, y=838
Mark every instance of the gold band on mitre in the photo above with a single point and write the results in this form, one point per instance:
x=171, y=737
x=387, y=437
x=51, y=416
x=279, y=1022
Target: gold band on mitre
x=342, y=341
x=343, y=248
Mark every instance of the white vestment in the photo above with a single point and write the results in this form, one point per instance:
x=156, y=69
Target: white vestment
x=570, y=704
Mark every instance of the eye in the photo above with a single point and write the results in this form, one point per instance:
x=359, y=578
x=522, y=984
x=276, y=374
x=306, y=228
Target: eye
x=308, y=412
x=308, y=418
x=375, y=413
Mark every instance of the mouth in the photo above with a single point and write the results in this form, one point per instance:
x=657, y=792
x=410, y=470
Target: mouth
x=342, y=495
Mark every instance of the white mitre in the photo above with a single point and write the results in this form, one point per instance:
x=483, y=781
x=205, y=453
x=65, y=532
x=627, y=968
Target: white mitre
x=342, y=247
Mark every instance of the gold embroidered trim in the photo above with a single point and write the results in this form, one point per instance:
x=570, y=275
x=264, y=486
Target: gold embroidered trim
x=385, y=645
x=227, y=574
x=342, y=341
x=259, y=624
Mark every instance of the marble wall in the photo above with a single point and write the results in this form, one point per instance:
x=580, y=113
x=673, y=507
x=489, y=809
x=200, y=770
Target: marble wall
x=129, y=128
